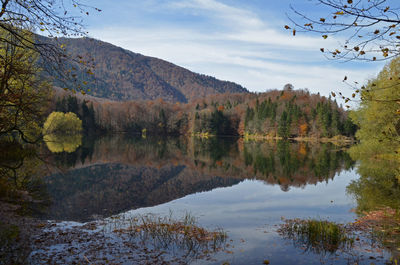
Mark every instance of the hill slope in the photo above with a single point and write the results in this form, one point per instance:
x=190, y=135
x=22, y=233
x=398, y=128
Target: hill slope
x=124, y=75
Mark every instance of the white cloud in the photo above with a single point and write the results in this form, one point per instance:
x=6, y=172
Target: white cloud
x=229, y=14
x=249, y=51
x=272, y=37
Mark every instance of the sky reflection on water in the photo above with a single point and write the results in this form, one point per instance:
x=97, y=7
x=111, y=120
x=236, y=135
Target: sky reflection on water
x=250, y=211
x=246, y=188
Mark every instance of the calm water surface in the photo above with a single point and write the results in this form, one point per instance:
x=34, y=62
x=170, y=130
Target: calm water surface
x=246, y=188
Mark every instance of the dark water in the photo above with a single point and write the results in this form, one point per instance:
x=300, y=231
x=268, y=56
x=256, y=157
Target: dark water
x=246, y=188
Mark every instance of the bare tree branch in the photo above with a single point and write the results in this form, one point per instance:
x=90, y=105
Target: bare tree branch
x=371, y=31
x=372, y=28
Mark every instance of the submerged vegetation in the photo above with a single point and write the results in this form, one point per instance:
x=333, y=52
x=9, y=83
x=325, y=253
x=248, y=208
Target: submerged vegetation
x=177, y=236
x=319, y=236
x=383, y=227
x=356, y=243
x=145, y=239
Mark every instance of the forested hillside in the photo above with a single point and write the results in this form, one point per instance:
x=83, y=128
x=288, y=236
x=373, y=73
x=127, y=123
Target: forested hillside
x=129, y=92
x=121, y=75
x=284, y=114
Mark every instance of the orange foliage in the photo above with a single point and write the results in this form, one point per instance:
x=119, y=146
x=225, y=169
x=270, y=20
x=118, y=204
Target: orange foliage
x=302, y=149
x=286, y=95
x=303, y=129
x=283, y=181
x=221, y=108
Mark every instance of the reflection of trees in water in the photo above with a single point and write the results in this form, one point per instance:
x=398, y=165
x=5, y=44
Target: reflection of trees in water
x=214, y=149
x=276, y=162
x=58, y=143
x=83, y=152
x=378, y=185
x=294, y=164
x=22, y=194
x=107, y=189
x=284, y=163
x=377, y=191
x=21, y=172
x=121, y=173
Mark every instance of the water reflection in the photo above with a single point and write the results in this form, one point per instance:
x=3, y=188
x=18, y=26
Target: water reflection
x=22, y=192
x=378, y=185
x=21, y=182
x=377, y=193
x=114, y=174
x=58, y=143
x=258, y=183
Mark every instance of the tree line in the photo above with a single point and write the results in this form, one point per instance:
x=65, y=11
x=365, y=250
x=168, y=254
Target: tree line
x=284, y=114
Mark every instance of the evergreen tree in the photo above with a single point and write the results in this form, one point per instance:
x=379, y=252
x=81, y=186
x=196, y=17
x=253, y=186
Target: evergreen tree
x=73, y=106
x=88, y=118
x=248, y=116
x=284, y=125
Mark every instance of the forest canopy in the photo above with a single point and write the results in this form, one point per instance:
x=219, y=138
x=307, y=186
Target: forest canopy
x=282, y=114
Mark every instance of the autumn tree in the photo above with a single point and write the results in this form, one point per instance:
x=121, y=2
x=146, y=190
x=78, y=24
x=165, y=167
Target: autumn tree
x=54, y=19
x=378, y=151
x=62, y=123
x=303, y=129
x=378, y=119
x=23, y=94
x=49, y=17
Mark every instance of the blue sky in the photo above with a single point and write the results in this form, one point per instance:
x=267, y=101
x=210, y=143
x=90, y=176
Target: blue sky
x=240, y=41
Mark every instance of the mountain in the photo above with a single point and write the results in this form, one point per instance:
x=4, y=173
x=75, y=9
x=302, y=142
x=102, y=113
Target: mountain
x=124, y=75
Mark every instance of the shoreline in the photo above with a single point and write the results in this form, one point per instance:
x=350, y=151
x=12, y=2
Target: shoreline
x=338, y=139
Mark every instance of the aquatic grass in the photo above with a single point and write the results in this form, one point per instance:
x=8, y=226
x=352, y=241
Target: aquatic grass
x=319, y=236
x=172, y=235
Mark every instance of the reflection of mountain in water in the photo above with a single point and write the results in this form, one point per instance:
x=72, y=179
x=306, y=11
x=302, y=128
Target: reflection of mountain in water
x=108, y=189
x=117, y=174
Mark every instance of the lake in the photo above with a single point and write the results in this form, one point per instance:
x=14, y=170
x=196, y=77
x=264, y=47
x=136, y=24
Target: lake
x=247, y=189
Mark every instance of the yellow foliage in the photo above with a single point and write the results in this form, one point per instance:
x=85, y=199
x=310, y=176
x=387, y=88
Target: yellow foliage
x=59, y=122
x=23, y=94
x=63, y=143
